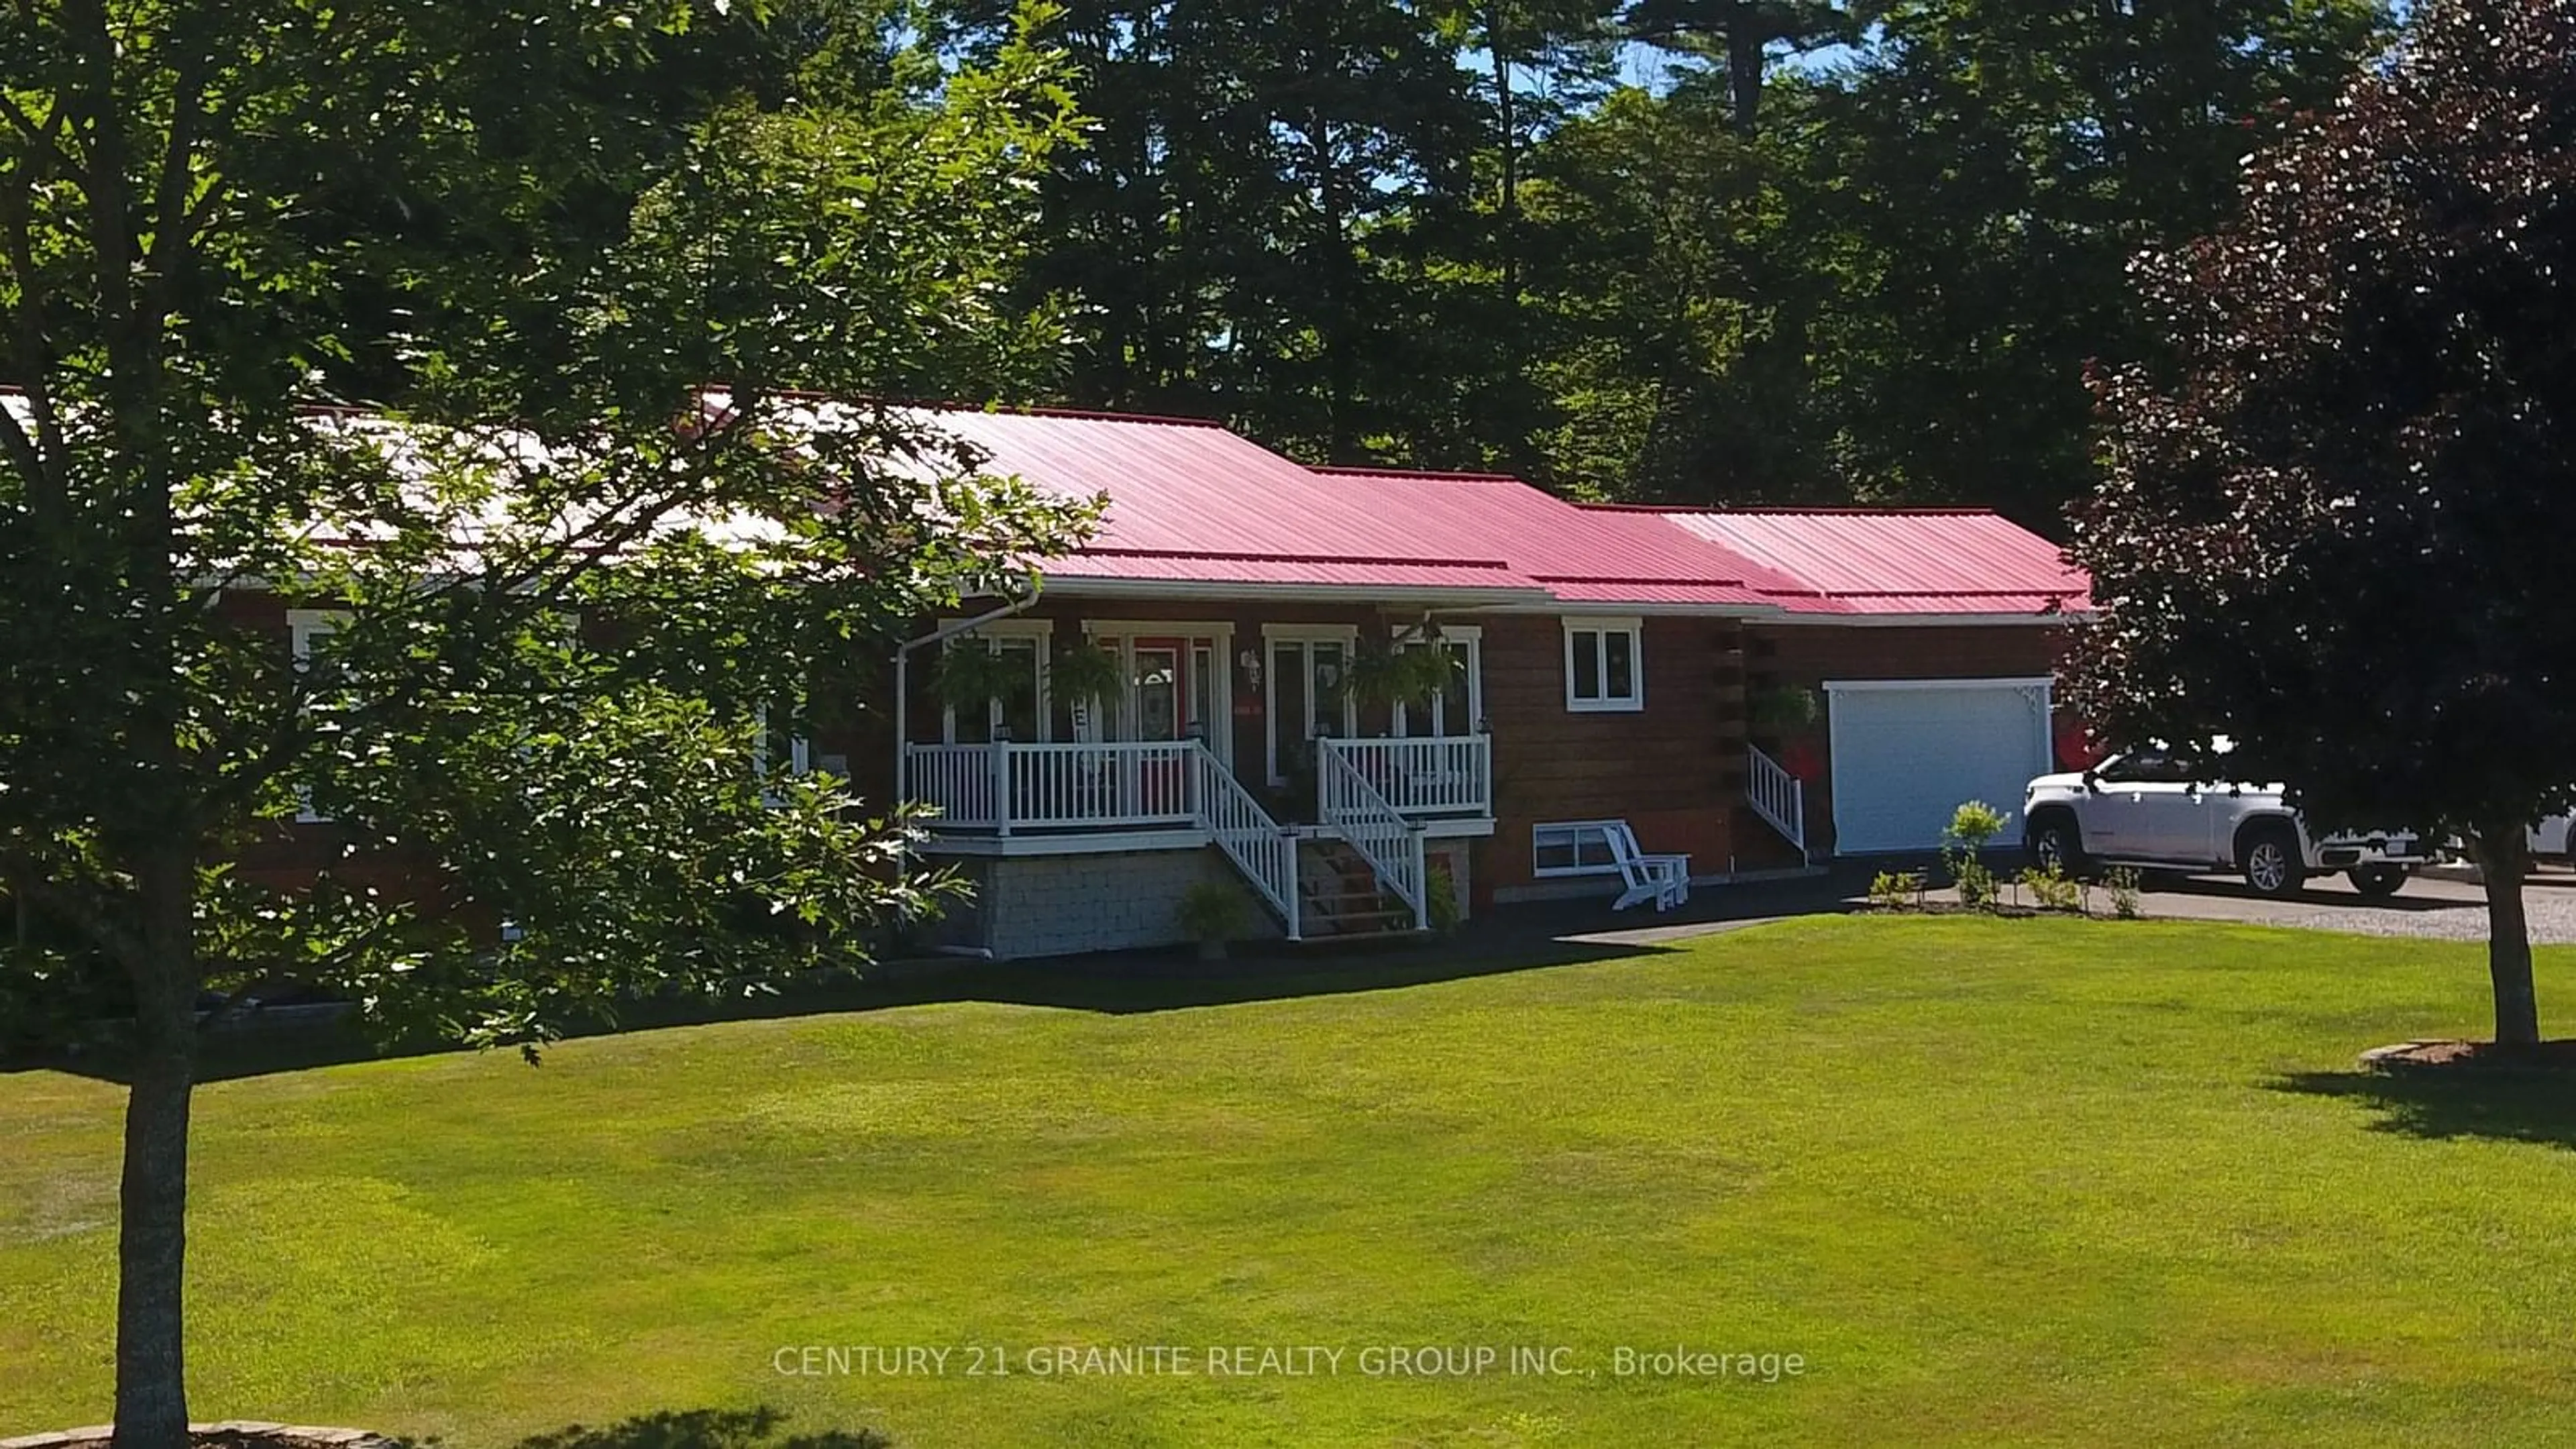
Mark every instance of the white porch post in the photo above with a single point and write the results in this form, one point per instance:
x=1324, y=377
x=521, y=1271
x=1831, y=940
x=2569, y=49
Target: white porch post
x=1421, y=880
x=1485, y=765
x=902, y=727
x=1296, y=902
x=1000, y=754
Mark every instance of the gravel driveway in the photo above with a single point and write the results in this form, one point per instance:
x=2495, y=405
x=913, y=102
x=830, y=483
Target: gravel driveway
x=2440, y=907
x=2451, y=906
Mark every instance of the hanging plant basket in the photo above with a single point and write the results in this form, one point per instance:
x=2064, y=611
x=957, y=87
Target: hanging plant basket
x=969, y=672
x=1086, y=674
x=1780, y=710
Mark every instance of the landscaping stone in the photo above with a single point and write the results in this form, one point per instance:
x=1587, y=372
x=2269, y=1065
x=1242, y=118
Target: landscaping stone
x=2548, y=1057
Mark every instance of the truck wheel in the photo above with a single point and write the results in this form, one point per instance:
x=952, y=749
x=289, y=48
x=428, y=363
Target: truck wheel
x=2057, y=846
x=2270, y=859
x=2378, y=880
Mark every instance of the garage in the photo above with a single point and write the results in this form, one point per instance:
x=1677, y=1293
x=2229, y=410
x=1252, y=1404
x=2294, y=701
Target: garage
x=1905, y=752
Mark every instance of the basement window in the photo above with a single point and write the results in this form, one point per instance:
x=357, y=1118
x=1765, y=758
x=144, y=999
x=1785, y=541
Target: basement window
x=1605, y=666
x=1572, y=847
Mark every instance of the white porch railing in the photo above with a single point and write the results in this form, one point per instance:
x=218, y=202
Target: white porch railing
x=1779, y=797
x=1367, y=821
x=1259, y=846
x=1004, y=786
x=1451, y=775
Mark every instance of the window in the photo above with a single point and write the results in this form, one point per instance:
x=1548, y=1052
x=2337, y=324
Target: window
x=1573, y=847
x=779, y=750
x=1022, y=711
x=2149, y=767
x=306, y=628
x=1604, y=665
x=1307, y=700
x=1459, y=709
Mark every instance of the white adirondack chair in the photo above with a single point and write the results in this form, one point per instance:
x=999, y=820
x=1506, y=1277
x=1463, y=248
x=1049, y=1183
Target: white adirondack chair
x=1663, y=879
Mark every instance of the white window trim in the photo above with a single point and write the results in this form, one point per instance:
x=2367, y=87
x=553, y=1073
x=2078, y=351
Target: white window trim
x=1864, y=686
x=1548, y=871
x=303, y=626
x=1632, y=626
x=1041, y=630
x=1273, y=635
x=1473, y=636
x=800, y=754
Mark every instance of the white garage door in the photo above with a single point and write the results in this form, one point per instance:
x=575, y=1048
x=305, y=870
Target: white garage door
x=1906, y=752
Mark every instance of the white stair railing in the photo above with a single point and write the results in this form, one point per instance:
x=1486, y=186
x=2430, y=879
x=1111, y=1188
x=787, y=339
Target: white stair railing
x=1260, y=847
x=1370, y=824
x=1779, y=797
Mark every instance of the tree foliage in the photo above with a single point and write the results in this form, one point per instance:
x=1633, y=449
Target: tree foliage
x=1828, y=252
x=480, y=333
x=2336, y=526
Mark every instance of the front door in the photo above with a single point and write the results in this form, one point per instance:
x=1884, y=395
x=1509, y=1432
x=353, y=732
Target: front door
x=1162, y=692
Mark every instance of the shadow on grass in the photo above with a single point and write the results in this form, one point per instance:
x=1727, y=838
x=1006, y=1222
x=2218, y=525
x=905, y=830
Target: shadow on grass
x=2501, y=1105
x=1116, y=983
x=704, y=1429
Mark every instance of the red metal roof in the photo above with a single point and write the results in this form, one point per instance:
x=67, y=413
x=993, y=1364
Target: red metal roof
x=1580, y=555
x=1312, y=572
x=1191, y=503
x=1897, y=561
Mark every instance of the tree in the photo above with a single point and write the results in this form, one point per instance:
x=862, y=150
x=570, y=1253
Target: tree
x=1973, y=184
x=1743, y=33
x=1560, y=40
x=1242, y=230
x=1674, y=308
x=470, y=329
x=2337, y=527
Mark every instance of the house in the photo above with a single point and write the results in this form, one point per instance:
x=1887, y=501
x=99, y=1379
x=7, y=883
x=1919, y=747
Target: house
x=1759, y=688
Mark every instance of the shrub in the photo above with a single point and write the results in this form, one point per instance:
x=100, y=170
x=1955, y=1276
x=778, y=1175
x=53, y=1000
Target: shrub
x=1972, y=825
x=1975, y=823
x=1442, y=904
x=1896, y=890
x=2053, y=889
x=2123, y=881
x=1214, y=912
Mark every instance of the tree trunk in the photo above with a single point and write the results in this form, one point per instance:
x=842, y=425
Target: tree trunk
x=2504, y=858
x=152, y=1229
x=1510, y=155
x=1744, y=43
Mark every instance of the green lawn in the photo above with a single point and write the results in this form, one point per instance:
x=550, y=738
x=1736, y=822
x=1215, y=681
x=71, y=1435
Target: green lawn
x=2038, y=1181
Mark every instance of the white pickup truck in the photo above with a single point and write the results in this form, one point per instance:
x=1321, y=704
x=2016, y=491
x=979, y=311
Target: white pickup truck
x=2159, y=808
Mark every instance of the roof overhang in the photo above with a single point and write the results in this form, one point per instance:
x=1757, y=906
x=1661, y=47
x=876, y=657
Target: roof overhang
x=1077, y=586
x=1614, y=609
x=1925, y=621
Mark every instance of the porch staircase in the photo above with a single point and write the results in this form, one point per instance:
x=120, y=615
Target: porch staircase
x=1341, y=898
x=1777, y=797
x=1361, y=870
